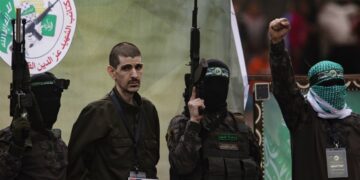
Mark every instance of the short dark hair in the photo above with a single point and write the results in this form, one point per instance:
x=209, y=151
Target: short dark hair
x=124, y=49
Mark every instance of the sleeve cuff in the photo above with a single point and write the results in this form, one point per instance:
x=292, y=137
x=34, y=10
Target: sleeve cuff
x=193, y=127
x=277, y=48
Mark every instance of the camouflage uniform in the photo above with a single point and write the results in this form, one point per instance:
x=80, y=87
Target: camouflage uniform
x=310, y=135
x=193, y=149
x=46, y=159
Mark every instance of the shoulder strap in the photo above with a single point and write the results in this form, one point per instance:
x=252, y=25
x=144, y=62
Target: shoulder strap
x=240, y=125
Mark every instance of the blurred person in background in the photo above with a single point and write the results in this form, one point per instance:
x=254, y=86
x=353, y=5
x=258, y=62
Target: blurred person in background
x=300, y=41
x=339, y=26
x=252, y=28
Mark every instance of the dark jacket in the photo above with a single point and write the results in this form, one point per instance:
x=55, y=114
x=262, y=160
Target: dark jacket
x=45, y=160
x=193, y=149
x=310, y=135
x=101, y=147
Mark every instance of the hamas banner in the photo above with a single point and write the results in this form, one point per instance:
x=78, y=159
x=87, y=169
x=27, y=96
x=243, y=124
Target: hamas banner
x=49, y=31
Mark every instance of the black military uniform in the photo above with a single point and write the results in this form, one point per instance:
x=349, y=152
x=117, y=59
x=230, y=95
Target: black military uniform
x=102, y=145
x=221, y=146
x=43, y=155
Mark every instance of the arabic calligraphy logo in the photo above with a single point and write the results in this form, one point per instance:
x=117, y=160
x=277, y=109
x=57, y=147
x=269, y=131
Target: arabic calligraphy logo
x=50, y=26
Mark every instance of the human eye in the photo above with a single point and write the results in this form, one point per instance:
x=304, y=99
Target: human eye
x=138, y=67
x=126, y=67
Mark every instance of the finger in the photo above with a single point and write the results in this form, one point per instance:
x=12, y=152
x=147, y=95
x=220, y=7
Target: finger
x=202, y=106
x=193, y=93
x=24, y=123
x=279, y=24
x=285, y=24
x=282, y=19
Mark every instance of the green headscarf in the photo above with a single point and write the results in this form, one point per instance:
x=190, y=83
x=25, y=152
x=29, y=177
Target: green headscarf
x=327, y=71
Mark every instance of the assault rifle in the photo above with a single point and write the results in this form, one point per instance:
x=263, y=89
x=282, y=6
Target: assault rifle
x=197, y=67
x=21, y=99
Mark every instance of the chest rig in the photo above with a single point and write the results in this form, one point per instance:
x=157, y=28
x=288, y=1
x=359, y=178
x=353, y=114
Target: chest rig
x=226, y=152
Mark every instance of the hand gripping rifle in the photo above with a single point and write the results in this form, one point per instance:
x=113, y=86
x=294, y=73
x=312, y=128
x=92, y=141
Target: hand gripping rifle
x=21, y=99
x=197, y=67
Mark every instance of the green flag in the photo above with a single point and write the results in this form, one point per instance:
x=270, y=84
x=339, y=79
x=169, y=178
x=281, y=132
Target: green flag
x=7, y=12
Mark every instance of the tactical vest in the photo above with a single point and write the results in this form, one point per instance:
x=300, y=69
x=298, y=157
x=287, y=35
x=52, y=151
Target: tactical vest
x=226, y=154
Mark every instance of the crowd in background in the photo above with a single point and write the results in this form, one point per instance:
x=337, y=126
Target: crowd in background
x=321, y=29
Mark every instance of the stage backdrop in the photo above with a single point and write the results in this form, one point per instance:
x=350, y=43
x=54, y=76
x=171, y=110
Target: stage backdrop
x=161, y=29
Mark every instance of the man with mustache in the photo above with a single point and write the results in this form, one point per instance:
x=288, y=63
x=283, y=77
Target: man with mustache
x=117, y=137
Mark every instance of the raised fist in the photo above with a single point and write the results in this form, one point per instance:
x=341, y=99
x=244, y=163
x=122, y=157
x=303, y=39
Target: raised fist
x=278, y=28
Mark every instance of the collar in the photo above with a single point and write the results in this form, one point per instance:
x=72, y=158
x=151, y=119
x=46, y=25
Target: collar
x=137, y=100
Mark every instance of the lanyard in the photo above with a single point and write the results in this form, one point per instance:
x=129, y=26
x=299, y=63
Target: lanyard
x=334, y=136
x=134, y=137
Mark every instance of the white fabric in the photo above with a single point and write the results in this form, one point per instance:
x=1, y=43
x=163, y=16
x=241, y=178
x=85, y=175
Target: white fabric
x=335, y=22
x=317, y=103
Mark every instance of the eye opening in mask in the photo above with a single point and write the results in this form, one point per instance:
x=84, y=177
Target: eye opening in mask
x=332, y=82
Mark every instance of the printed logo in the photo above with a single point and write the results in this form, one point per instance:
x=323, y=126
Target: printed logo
x=49, y=30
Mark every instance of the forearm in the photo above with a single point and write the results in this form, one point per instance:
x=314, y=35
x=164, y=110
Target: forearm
x=283, y=78
x=184, y=154
x=285, y=90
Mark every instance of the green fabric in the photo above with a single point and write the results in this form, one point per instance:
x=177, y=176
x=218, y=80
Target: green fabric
x=277, y=150
x=325, y=70
x=334, y=95
x=217, y=71
x=7, y=12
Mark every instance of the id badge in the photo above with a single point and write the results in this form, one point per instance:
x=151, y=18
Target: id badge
x=137, y=175
x=336, y=163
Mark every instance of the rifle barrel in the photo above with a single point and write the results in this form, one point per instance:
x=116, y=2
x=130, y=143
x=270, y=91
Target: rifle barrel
x=18, y=25
x=194, y=20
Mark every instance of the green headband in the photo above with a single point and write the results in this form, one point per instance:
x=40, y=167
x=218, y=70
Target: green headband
x=324, y=71
x=217, y=71
x=61, y=83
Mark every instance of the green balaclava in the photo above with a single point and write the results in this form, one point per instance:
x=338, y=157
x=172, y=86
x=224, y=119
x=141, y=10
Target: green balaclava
x=327, y=81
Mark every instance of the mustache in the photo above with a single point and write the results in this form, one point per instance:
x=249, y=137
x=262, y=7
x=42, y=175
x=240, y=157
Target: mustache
x=132, y=81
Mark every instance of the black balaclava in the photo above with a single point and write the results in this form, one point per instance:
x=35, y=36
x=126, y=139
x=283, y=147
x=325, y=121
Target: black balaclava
x=214, y=91
x=215, y=86
x=47, y=90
